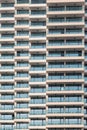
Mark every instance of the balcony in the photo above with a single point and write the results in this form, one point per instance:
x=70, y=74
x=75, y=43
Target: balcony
x=6, y=128
x=22, y=106
x=22, y=3
x=22, y=45
x=38, y=80
x=38, y=14
x=61, y=22
x=67, y=79
x=22, y=97
x=22, y=24
x=22, y=117
x=60, y=44
x=22, y=14
x=7, y=99
x=7, y=107
x=36, y=24
x=22, y=35
x=4, y=27
x=38, y=123
x=24, y=86
x=7, y=15
x=38, y=47
x=69, y=66
x=7, y=7
x=37, y=58
x=60, y=110
x=70, y=9
x=61, y=122
x=38, y=102
x=37, y=112
x=62, y=31
x=61, y=88
x=38, y=68
x=38, y=36
x=37, y=91
x=38, y=3
x=7, y=57
x=7, y=38
x=5, y=48
x=20, y=127
x=22, y=76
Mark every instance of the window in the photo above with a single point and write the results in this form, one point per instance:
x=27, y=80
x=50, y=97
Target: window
x=55, y=109
x=37, y=122
x=22, y=1
x=38, y=1
x=55, y=98
x=38, y=12
x=22, y=84
x=56, y=8
x=38, y=100
x=55, y=121
x=37, y=111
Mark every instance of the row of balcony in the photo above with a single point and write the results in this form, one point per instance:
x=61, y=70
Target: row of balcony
x=41, y=112
x=54, y=121
x=43, y=100
x=40, y=46
x=42, y=23
x=55, y=89
x=51, y=31
x=26, y=126
x=35, y=13
x=43, y=79
x=42, y=57
x=38, y=111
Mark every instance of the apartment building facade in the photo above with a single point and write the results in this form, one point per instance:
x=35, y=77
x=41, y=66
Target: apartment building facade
x=43, y=65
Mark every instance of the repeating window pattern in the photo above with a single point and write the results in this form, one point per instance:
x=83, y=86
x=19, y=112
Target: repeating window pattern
x=43, y=65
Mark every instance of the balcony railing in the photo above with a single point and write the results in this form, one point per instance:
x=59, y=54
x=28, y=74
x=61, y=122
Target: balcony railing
x=38, y=57
x=68, y=8
x=62, y=43
x=38, y=101
x=38, y=23
x=8, y=87
x=64, y=77
x=37, y=123
x=67, y=88
x=38, y=68
x=7, y=4
x=7, y=57
x=6, y=77
x=37, y=79
x=22, y=1
x=21, y=86
x=22, y=11
x=38, y=90
x=38, y=1
x=7, y=15
x=21, y=22
x=38, y=12
x=22, y=96
x=37, y=112
x=7, y=46
x=7, y=107
x=7, y=25
x=7, y=98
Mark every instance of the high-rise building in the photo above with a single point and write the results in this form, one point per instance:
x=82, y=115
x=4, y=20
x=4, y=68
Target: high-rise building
x=43, y=65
